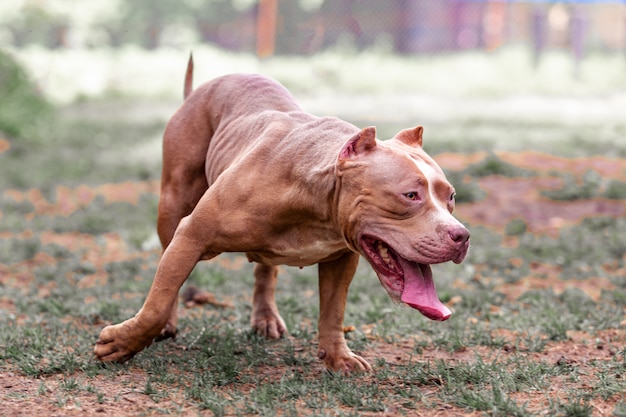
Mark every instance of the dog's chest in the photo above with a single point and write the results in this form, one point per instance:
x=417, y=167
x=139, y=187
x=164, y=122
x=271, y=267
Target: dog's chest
x=303, y=254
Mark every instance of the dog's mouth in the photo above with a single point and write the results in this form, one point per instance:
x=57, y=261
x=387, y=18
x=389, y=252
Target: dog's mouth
x=407, y=281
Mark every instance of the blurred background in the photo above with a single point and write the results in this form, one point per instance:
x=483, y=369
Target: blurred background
x=309, y=26
x=77, y=49
x=305, y=27
x=480, y=76
x=86, y=88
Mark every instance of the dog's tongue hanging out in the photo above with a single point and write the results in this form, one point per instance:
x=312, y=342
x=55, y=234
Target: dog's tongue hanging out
x=419, y=291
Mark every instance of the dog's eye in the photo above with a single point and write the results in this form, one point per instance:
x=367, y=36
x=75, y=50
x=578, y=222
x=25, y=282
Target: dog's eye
x=411, y=195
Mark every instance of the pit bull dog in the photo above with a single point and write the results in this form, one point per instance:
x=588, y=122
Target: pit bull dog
x=245, y=169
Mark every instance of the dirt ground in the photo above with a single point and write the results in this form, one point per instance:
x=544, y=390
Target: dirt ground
x=506, y=199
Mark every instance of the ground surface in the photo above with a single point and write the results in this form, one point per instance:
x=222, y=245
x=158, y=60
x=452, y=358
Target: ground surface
x=505, y=199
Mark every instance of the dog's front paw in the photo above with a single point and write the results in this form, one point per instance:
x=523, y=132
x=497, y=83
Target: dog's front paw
x=121, y=342
x=268, y=324
x=343, y=361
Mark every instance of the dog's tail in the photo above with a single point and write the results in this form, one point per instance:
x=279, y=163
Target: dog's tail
x=188, y=78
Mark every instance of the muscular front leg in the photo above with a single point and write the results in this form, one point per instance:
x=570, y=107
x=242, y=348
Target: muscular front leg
x=334, y=280
x=122, y=341
x=180, y=192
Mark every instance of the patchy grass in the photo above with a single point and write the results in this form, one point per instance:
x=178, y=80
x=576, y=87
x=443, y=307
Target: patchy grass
x=539, y=305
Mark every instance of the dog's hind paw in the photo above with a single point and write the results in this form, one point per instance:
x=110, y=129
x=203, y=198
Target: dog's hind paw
x=346, y=361
x=269, y=325
x=166, y=334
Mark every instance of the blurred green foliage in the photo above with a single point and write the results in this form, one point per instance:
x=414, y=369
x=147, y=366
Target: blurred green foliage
x=22, y=107
x=37, y=24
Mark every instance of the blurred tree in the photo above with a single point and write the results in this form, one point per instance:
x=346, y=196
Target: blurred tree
x=35, y=24
x=363, y=22
x=232, y=24
x=142, y=21
x=22, y=108
x=292, y=33
x=222, y=23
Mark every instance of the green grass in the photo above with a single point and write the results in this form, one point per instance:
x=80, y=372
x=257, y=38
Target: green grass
x=78, y=151
x=492, y=357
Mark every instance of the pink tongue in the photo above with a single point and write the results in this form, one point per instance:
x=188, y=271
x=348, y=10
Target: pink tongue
x=419, y=292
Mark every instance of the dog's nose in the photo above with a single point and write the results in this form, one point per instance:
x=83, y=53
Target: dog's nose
x=459, y=234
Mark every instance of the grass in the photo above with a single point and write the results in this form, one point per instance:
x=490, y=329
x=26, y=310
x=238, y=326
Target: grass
x=548, y=347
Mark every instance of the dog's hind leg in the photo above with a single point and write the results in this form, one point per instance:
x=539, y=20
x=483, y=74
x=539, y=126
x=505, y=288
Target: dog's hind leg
x=265, y=318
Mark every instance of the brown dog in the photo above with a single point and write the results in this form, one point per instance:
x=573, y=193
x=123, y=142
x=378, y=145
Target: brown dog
x=245, y=169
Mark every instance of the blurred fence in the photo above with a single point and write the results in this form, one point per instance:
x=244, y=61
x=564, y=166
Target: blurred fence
x=270, y=27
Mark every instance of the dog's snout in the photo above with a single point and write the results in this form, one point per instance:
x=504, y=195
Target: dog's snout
x=459, y=234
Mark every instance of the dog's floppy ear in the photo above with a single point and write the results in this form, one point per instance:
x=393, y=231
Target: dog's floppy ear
x=411, y=137
x=362, y=142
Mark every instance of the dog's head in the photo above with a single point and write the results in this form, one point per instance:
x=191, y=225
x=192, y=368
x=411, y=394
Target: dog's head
x=395, y=207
